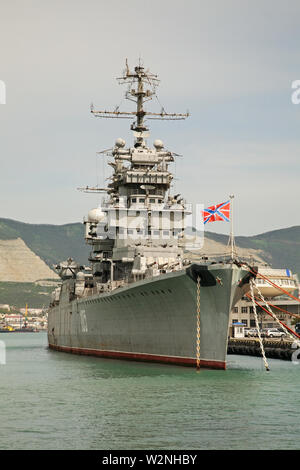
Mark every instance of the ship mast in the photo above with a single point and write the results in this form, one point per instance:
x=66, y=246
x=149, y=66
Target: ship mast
x=137, y=92
x=231, y=241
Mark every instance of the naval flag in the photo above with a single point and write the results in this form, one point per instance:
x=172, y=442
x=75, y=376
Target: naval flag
x=217, y=212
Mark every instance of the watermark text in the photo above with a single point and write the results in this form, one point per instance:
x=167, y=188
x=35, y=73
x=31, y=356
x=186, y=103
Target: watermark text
x=295, y=97
x=2, y=92
x=2, y=353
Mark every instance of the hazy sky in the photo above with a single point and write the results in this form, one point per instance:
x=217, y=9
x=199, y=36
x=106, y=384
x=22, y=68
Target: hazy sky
x=230, y=63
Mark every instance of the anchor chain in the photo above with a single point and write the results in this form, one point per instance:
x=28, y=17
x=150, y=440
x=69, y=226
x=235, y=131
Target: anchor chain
x=257, y=326
x=198, y=326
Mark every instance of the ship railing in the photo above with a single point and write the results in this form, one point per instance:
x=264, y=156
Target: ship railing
x=225, y=254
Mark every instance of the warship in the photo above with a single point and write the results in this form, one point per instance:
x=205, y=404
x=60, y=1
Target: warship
x=140, y=298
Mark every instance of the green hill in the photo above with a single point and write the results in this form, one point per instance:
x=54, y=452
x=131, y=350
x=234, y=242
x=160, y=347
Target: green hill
x=281, y=248
x=19, y=294
x=52, y=243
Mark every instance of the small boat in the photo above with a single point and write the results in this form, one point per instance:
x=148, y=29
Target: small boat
x=7, y=329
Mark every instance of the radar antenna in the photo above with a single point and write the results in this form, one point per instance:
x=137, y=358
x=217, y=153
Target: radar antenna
x=137, y=82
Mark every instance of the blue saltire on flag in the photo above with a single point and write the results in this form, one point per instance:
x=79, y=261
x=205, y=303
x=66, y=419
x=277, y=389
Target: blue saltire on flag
x=218, y=212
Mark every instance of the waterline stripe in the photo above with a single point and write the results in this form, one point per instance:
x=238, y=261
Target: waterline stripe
x=186, y=361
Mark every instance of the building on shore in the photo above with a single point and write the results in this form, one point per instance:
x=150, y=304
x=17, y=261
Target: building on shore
x=5, y=307
x=243, y=311
x=16, y=320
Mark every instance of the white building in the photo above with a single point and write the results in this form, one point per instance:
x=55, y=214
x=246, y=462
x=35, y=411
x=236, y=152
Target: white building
x=15, y=320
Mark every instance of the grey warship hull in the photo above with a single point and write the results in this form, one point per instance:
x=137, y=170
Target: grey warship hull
x=141, y=298
x=153, y=320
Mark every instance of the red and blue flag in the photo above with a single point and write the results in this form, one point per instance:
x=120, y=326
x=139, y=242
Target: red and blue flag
x=217, y=212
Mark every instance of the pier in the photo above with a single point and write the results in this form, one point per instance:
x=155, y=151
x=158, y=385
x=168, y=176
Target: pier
x=274, y=348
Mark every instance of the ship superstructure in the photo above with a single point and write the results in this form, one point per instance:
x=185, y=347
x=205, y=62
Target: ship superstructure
x=137, y=298
x=137, y=231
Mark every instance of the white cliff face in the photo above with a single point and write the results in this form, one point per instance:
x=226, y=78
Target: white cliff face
x=19, y=264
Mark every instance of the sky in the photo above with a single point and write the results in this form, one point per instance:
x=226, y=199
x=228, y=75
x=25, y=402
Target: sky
x=230, y=63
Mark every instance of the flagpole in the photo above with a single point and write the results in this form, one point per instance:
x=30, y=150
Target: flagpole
x=231, y=236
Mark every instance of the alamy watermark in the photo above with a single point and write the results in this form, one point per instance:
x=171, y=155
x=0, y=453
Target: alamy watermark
x=2, y=92
x=295, y=97
x=2, y=353
x=295, y=358
x=157, y=224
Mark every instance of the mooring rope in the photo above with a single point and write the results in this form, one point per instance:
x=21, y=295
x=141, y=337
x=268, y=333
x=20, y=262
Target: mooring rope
x=281, y=309
x=198, y=326
x=274, y=315
x=257, y=326
x=272, y=283
x=268, y=313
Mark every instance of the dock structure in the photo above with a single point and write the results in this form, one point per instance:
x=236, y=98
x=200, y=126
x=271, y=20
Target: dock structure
x=274, y=348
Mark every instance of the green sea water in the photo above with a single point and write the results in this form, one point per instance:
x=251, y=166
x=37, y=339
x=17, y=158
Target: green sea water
x=54, y=400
